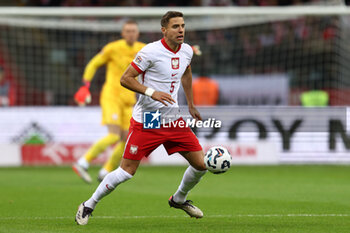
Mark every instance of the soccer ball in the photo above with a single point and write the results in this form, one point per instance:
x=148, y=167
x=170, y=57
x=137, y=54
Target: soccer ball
x=217, y=159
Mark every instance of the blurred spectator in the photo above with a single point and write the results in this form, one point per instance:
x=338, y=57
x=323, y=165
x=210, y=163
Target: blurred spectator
x=67, y=3
x=205, y=91
x=42, y=2
x=6, y=90
x=170, y=3
x=216, y=3
x=301, y=29
x=165, y=3
x=244, y=2
x=330, y=29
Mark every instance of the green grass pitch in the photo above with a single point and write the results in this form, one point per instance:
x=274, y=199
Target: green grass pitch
x=245, y=199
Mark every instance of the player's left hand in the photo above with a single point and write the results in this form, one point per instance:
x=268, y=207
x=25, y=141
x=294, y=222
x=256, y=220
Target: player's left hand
x=194, y=113
x=196, y=50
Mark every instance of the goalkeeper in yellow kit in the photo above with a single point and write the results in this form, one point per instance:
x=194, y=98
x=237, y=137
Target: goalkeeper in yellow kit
x=116, y=101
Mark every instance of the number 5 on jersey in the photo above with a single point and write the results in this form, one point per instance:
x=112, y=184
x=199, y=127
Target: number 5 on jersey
x=172, y=86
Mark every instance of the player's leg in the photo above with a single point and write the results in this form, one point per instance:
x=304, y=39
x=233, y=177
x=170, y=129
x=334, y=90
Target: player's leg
x=125, y=113
x=110, y=112
x=115, y=158
x=191, y=177
x=112, y=180
x=186, y=143
x=82, y=165
x=186, y=140
x=110, y=118
x=129, y=164
x=109, y=183
x=102, y=144
x=136, y=149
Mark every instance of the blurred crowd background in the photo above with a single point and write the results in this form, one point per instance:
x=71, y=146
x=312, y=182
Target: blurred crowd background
x=146, y=3
x=43, y=66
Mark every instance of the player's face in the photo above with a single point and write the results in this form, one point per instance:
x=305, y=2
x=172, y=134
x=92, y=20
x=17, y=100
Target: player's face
x=175, y=31
x=130, y=33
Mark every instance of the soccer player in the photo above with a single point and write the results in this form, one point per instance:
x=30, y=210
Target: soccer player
x=164, y=64
x=116, y=101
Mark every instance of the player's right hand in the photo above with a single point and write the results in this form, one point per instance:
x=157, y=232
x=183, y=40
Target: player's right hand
x=163, y=97
x=83, y=96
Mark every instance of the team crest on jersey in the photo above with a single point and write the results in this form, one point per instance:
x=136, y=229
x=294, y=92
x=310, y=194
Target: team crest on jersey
x=175, y=63
x=138, y=60
x=133, y=149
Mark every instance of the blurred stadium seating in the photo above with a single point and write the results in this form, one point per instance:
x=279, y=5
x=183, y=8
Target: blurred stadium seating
x=46, y=55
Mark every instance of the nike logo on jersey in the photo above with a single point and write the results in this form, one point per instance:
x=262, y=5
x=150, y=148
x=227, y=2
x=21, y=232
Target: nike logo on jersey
x=172, y=75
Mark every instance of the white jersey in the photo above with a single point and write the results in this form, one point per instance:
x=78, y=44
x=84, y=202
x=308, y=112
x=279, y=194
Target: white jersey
x=162, y=69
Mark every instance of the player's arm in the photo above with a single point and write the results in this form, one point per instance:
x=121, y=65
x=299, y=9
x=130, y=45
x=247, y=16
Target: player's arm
x=91, y=68
x=83, y=96
x=196, y=50
x=186, y=82
x=128, y=81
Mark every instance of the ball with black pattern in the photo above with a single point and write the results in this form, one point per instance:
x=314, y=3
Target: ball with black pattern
x=217, y=159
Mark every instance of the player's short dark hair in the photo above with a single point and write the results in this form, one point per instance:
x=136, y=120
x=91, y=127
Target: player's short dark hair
x=170, y=14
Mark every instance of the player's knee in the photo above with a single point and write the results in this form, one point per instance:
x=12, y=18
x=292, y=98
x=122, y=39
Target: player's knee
x=200, y=166
x=129, y=170
x=130, y=166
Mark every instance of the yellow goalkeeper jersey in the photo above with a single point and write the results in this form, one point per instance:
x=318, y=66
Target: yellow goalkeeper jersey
x=117, y=56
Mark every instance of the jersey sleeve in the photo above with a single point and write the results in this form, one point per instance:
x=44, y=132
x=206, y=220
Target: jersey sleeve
x=92, y=67
x=189, y=52
x=106, y=52
x=98, y=60
x=142, y=60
